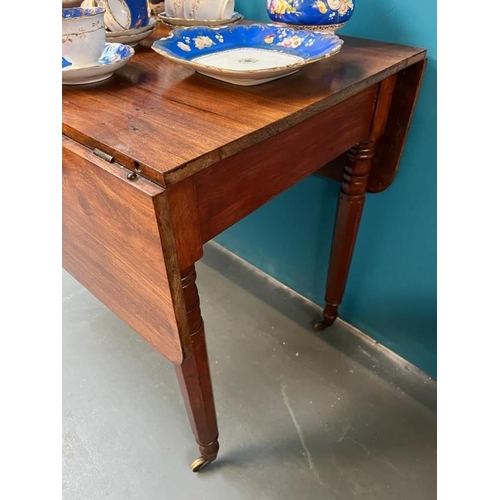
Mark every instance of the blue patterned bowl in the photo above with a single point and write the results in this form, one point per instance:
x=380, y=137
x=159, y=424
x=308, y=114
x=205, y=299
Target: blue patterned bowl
x=311, y=12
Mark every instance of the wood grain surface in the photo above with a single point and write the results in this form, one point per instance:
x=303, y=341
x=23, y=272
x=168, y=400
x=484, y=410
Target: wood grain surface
x=172, y=122
x=391, y=144
x=117, y=242
x=236, y=186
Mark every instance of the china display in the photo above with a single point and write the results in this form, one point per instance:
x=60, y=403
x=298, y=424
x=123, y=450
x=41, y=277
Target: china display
x=327, y=13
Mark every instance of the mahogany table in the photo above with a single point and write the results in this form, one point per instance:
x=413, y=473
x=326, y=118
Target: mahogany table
x=158, y=160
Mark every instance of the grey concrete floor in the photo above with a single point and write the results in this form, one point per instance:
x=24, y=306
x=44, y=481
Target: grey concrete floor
x=301, y=415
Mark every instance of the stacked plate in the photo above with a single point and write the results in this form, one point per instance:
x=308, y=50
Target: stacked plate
x=180, y=21
x=133, y=36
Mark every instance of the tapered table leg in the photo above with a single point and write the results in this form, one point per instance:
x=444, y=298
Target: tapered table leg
x=349, y=211
x=194, y=378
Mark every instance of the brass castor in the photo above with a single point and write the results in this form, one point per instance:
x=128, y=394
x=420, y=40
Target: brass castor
x=199, y=464
x=320, y=326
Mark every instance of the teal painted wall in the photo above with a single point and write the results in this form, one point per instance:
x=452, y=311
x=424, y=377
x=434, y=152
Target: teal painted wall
x=391, y=293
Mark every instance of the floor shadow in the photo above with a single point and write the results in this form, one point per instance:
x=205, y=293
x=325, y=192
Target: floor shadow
x=357, y=346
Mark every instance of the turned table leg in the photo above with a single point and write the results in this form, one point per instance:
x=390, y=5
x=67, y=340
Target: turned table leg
x=349, y=211
x=194, y=378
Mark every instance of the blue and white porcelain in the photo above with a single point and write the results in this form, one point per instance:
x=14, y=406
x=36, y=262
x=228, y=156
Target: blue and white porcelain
x=181, y=21
x=311, y=13
x=148, y=27
x=128, y=14
x=246, y=54
x=83, y=35
x=122, y=14
x=132, y=40
x=113, y=57
x=132, y=37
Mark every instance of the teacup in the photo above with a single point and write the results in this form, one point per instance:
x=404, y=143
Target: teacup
x=174, y=8
x=110, y=23
x=83, y=35
x=208, y=9
x=125, y=14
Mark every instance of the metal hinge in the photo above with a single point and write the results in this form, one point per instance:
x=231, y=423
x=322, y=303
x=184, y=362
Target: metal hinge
x=104, y=156
x=132, y=176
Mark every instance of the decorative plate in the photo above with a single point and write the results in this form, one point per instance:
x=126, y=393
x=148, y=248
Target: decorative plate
x=131, y=39
x=247, y=54
x=114, y=56
x=135, y=31
x=179, y=21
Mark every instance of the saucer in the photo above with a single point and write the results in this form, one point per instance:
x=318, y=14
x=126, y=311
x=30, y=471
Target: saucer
x=135, y=31
x=179, y=21
x=131, y=39
x=113, y=57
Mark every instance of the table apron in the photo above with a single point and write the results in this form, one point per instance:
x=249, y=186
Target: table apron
x=238, y=185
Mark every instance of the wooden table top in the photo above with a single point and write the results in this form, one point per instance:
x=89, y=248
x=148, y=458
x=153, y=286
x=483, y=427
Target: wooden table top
x=171, y=122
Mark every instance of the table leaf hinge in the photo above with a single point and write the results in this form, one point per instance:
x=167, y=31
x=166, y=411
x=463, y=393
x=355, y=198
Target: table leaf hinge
x=131, y=176
x=104, y=156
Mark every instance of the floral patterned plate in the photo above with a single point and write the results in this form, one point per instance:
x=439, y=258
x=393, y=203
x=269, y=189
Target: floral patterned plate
x=113, y=57
x=246, y=54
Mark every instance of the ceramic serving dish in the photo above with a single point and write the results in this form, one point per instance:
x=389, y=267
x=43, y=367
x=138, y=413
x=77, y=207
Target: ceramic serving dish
x=246, y=54
x=113, y=57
